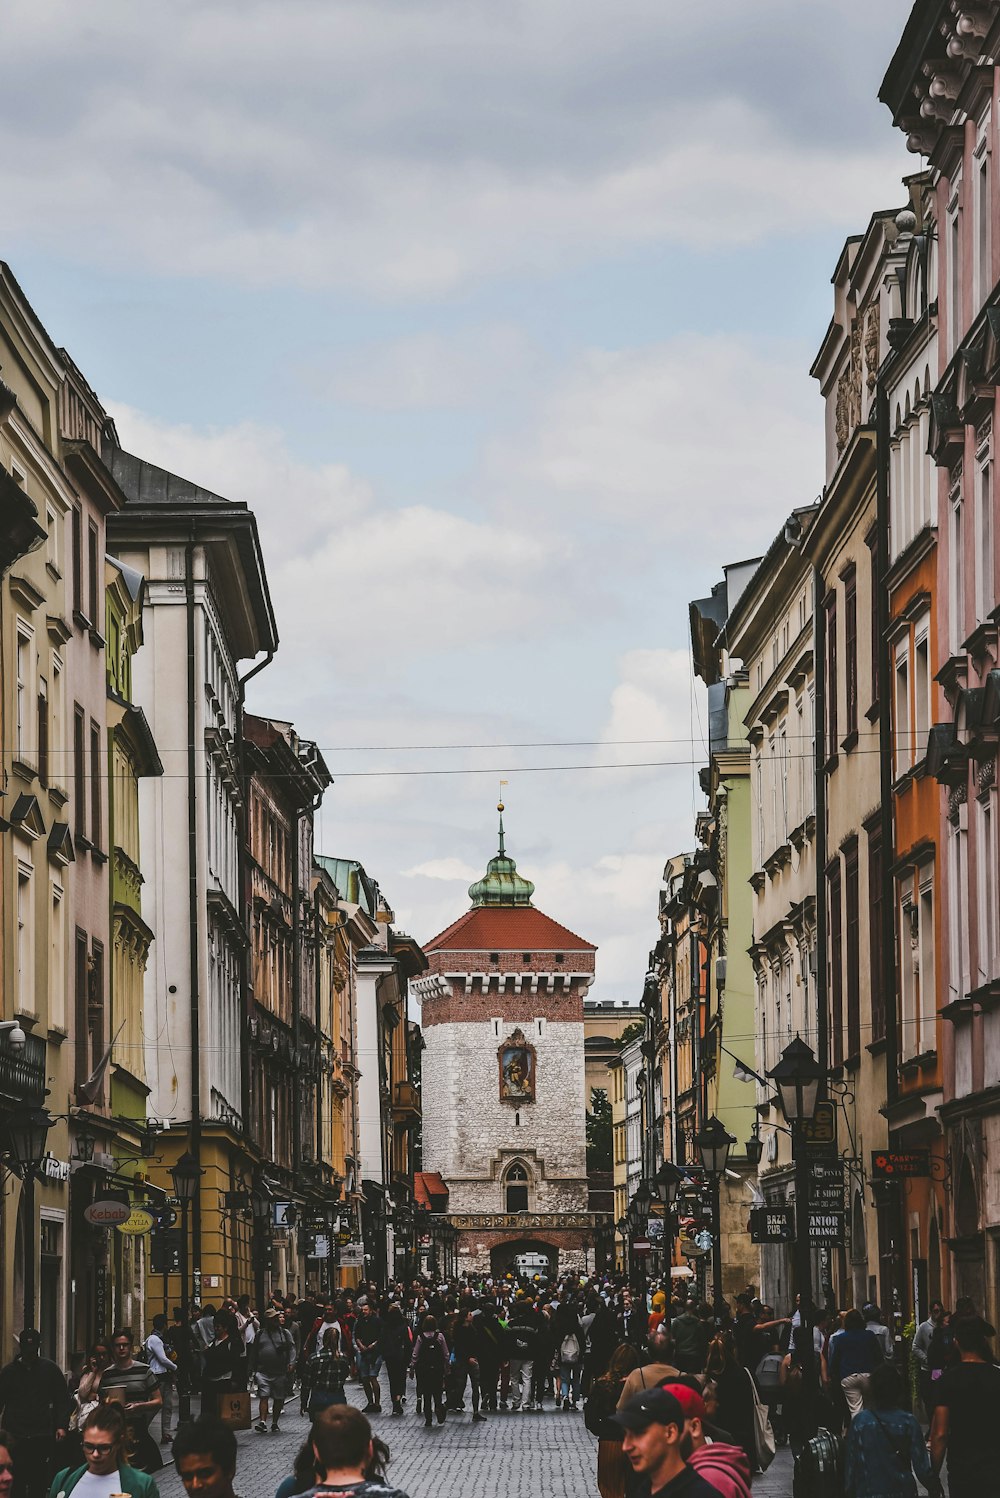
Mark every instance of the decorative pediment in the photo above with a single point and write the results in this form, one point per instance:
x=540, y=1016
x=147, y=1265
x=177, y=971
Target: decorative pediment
x=61, y=844
x=947, y=431
x=26, y=817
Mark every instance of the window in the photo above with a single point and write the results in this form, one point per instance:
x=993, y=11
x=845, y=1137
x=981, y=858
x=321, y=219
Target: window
x=988, y=894
x=984, y=524
x=852, y=931
x=832, y=685
x=43, y=731
x=983, y=279
x=57, y=960
x=77, y=561
x=92, y=573
x=956, y=565
x=876, y=949
x=901, y=714
x=921, y=689
x=25, y=984
x=517, y=1189
x=81, y=967
x=95, y=1005
x=872, y=541
x=917, y=986
x=24, y=693
x=52, y=538
x=836, y=966
x=954, y=267
x=56, y=719
x=95, y=784
x=79, y=774
x=851, y=650
x=959, y=972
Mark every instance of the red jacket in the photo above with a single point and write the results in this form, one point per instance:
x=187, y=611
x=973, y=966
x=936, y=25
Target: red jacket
x=725, y=1467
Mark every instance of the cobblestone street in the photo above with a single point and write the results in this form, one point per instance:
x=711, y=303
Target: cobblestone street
x=538, y=1456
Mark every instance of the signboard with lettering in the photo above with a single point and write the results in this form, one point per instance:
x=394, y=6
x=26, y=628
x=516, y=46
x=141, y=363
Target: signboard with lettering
x=825, y=1227
x=352, y=1256
x=772, y=1225
x=887, y=1165
x=826, y=1184
x=819, y=1134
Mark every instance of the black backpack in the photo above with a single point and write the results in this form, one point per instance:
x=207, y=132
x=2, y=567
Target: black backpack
x=430, y=1358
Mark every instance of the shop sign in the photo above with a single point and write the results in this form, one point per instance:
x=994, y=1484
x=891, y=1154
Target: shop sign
x=352, y=1256
x=321, y=1247
x=772, y=1225
x=107, y=1214
x=826, y=1184
x=825, y=1227
x=887, y=1165
x=819, y=1134
x=137, y=1223
x=55, y=1170
x=280, y=1212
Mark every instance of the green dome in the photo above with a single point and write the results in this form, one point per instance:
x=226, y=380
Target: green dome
x=501, y=884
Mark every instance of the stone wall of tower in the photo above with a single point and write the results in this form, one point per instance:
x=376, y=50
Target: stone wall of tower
x=471, y=1137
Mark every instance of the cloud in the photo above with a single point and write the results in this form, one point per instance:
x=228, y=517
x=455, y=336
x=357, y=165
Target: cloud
x=452, y=870
x=411, y=149
x=433, y=370
x=704, y=443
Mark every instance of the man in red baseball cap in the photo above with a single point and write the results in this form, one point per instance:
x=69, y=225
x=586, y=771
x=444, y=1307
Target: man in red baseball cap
x=654, y=1424
x=725, y=1467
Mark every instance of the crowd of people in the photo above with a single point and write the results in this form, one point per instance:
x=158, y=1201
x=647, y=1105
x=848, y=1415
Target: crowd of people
x=684, y=1401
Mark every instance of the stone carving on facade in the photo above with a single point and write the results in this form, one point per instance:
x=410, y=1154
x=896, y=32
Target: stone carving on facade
x=956, y=800
x=523, y=1220
x=848, y=413
x=986, y=774
x=872, y=344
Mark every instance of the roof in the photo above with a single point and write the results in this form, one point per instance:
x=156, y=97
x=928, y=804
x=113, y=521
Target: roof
x=506, y=928
x=430, y=1191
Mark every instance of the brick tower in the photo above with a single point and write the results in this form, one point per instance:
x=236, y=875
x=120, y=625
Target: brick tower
x=503, y=1076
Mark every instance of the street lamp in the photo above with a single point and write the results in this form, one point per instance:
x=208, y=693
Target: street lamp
x=713, y=1142
x=622, y=1227
x=260, y=1212
x=797, y=1077
x=754, y=1147
x=27, y=1132
x=186, y=1176
x=638, y=1219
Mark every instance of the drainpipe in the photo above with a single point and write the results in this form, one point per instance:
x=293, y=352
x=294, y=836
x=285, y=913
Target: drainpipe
x=318, y=1004
x=193, y=956
x=819, y=677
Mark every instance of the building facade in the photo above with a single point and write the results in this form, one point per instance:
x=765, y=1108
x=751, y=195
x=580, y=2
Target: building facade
x=503, y=1069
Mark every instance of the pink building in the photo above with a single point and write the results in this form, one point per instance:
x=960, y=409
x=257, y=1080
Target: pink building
x=943, y=87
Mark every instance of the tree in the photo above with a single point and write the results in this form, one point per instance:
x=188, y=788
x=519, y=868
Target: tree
x=599, y=1152
x=631, y=1032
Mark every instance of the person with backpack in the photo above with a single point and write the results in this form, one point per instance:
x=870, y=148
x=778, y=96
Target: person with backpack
x=523, y=1331
x=885, y=1451
x=428, y=1365
x=569, y=1340
x=767, y=1377
x=272, y=1357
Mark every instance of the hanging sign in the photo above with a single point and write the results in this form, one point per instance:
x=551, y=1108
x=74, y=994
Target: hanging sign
x=826, y=1227
x=819, y=1134
x=107, y=1214
x=887, y=1165
x=826, y=1184
x=137, y=1223
x=772, y=1225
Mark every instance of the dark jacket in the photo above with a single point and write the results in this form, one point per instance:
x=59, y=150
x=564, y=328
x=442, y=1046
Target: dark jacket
x=854, y=1352
x=34, y=1398
x=523, y=1333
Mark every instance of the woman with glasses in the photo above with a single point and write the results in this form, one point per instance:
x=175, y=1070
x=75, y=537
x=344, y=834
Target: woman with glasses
x=105, y=1470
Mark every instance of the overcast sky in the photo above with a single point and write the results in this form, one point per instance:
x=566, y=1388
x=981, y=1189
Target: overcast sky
x=500, y=316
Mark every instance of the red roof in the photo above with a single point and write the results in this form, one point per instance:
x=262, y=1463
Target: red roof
x=429, y=1190
x=507, y=928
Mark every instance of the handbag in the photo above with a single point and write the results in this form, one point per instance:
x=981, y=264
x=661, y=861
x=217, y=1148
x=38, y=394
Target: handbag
x=763, y=1436
x=234, y=1410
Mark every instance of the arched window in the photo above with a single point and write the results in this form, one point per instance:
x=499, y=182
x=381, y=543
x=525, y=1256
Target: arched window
x=516, y=1183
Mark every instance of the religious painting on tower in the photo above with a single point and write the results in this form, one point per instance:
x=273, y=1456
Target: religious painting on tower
x=517, y=1070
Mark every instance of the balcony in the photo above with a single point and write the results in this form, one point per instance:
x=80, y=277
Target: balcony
x=405, y=1103
x=22, y=1075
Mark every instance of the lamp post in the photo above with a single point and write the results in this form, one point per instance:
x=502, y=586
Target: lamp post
x=638, y=1218
x=186, y=1176
x=713, y=1142
x=260, y=1209
x=27, y=1131
x=666, y=1184
x=797, y=1077
x=622, y=1227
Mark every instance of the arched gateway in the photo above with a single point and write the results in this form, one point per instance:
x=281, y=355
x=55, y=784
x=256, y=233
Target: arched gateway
x=503, y=1084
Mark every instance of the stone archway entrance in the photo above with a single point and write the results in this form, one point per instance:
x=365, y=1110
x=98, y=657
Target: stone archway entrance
x=504, y=1257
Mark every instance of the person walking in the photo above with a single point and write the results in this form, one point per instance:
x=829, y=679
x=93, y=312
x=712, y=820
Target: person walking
x=734, y=1387
x=345, y=1452
x=368, y=1347
x=568, y=1337
x=854, y=1355
x=272, y=1359
x=654, y=1444
x=106, y=1471
x=427, y=1366
x=35, y=1409
x=164, y=1369
x=655, y=1368
x=965, y=1426
x=523, y=1336
x=605, y=1392
x=465, y=1364
x=205, y=1457
x=689, y=1334
x=920, y=1352
x=219, y=1362
x=133, y=1384
x=875, y=1324
x=327, y=1373
x=885, y=1454
x=397, y=1349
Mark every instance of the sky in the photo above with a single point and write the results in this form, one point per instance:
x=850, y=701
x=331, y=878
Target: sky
x=499, y=316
